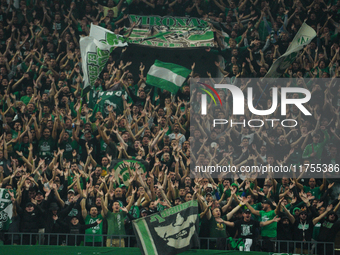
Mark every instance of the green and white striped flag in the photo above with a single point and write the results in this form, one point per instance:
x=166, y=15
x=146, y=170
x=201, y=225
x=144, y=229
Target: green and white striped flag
x=169, y=232
x=167, y=76
x=95, y=52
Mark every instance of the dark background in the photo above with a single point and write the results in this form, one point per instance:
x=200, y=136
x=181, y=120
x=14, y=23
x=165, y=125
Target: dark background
x=184, y=57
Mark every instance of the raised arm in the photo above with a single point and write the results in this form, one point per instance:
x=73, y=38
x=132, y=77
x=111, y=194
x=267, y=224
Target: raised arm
x=83, y=208
x=253, y=211
x=323, y=215
x=231, y=213
x=132, y=200
x=266, y=223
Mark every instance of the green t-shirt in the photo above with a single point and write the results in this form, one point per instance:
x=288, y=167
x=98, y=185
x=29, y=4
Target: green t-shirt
x=96, y=230
x=70, y=181
x=227, y=193
x=316, y=192
x=270, y=230
x=160, y=207
x=25, y=99
x=316, y=231
x=217, y=229
x=14, y=134
x=115, y=222
x=257, y=207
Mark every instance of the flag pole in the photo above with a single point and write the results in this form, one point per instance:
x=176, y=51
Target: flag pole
x=81, y=101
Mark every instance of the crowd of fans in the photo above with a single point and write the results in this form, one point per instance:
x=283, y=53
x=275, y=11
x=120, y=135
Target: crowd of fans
x=56, y=155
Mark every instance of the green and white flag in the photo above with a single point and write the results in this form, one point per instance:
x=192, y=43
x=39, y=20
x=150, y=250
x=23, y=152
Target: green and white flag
x=120, y=167
x=106, y=36
x=6, y=209
x=110, y=100
x=170, y=32
x=167, y=76
x=170, y=232
x=302, y=38
x=95, y=51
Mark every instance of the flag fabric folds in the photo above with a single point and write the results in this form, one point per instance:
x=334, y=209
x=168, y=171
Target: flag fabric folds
x=110, y=100
x=170, y=32
x=302, y=38
x=107, y=37
x=95, y=51
x=6, y=209
x=167, y=76
x=171, y=231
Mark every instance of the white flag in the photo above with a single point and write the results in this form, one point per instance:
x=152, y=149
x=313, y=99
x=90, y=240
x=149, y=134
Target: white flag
x=107, y=37
x=303, y=37
x=95, y=51
x=6, y=209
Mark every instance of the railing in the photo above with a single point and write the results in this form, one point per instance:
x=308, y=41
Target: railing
x=282, y=246
x=20, y=238
x=279, y=246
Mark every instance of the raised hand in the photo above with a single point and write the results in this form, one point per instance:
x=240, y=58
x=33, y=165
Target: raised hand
x=329, y=208
x=276, y=219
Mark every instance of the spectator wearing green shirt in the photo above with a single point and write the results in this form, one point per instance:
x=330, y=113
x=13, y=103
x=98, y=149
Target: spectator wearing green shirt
x=314, y=150
x=268, y=233
x=16, y=129
x=90, y=218
x=115, y=221
x=29, y=94
x=315, y=191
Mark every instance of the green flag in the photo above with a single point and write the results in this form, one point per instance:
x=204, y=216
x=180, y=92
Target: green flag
x=302, y=38
x=169, y=32
x=6, y=209
x=95, y=52
x=167, y=76
x=110, y=100
x=168, y=232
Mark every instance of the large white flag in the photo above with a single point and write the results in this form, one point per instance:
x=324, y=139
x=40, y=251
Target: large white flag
x=6, y=208
x=303, y=37
x=107, y=37
x=95, y=51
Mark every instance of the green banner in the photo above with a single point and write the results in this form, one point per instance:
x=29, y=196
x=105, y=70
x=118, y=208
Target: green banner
x=110, y=101
x=170, y=32
x=120, y=168
x=6, y=209
x=168, y=232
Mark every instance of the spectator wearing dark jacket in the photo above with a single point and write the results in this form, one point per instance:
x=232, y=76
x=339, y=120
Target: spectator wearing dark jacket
x=29, y=221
